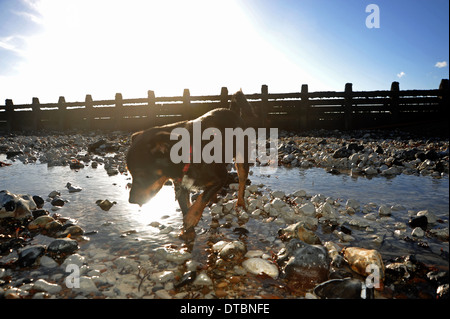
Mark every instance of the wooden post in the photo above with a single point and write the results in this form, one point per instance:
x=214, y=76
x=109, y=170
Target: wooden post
x=348, y=112
x=443, y=98
x=394, y=106
x=62, y=112
x=264, y=105
x=224, y=97
x=35, y=105
x=9, y=110
x=119, y=112
x=303, y=109
x=89, y=112
x=187, y=105
x=151, y=108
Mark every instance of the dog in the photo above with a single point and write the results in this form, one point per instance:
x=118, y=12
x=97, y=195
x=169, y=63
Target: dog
x=149, y=163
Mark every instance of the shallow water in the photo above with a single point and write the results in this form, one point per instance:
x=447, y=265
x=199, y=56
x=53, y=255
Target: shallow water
x=124, y=229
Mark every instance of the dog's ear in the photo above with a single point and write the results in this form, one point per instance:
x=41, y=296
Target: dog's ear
x=160, y=143
x=135, y=135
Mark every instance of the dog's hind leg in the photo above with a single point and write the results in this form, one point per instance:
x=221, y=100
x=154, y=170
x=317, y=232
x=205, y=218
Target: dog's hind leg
x=242, y=170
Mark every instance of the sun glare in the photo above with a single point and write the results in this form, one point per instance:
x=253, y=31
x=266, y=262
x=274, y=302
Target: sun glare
x=105, y=47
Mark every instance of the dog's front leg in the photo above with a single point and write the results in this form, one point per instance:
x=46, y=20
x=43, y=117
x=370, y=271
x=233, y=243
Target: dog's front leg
x=183, y=199
x=242, y=170
x=192, y=217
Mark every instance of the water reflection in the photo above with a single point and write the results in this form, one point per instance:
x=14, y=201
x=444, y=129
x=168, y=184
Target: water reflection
x=130, y=220
x=413, y=192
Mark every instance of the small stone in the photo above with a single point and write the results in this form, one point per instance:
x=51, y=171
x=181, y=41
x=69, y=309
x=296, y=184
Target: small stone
x=219, y=245
x=53, y=194
x=105, y=204
x=57, y=201
x=163, y=294
x=63, y=245
x=74, y=259
x=87, y=286
x=252, y=188
x=257, y=266
x=299, y=193
x=47, y=262
x=40, y=222
x=431, y=218
x=308, y=209
x=28, y=255
x=163, y=276
x=202, y=279
x=417, y=232
x=43, y=285
x=278, y=194
x=353, y=204
x=73, y=188
x=220, y=293
x=74, y=230
x=384, y=210
x=419, y=221
x=370, y=171
x=233, y=251
x=347, y=288
x=277, y=203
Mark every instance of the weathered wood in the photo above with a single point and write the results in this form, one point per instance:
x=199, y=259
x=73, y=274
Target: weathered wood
x=119, y=111
x=89, y=111
x=62, y=114
x=151, y=108
x=394, y=102
x=224, y=97
x=304, y=106
x=443, y=97
x=9, y=111
x=35, y=106
x=187, y=104
x=348, y=104
x=264, y=105
x=302, y=110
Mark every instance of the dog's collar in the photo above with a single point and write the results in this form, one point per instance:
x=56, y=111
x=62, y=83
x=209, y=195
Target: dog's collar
x=188, y=164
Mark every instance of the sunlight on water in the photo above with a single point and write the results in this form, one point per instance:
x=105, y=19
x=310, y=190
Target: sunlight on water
x=160, y=206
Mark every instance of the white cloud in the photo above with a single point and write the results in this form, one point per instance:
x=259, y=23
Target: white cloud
x=440, y=65
x=401, y=74
x=13, y=43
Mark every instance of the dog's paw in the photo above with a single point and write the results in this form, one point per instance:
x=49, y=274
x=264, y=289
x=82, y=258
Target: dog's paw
x=241, y=203
x=188, y=235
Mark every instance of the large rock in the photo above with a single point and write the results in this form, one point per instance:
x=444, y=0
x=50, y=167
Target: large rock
x=303, y=265
x=365, y=262
x=17, y=206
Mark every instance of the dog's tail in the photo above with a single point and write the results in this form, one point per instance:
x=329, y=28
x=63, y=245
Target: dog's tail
x=241, y=106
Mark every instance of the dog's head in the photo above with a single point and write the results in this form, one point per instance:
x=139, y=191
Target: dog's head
x=148, y=162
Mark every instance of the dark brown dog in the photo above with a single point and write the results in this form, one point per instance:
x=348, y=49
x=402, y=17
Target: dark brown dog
x=149, y=163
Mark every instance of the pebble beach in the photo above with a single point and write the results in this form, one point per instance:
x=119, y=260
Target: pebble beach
x=64, y=212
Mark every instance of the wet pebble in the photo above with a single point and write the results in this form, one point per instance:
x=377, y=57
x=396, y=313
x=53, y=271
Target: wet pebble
x=63, y=246
x=258, y=266
x=347, y=288
x=43, y=285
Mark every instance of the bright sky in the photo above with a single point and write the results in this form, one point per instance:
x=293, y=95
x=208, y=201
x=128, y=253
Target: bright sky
x=52, y=48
